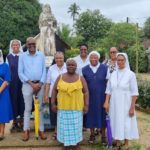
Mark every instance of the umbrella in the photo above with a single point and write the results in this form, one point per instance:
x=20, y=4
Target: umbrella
x=36, y=116
x=109, y=133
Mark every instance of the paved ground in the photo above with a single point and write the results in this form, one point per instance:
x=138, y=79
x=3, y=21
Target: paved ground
x=13, y=141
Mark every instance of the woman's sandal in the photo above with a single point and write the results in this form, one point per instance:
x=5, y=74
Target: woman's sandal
x=91, y=139
x=54, y=136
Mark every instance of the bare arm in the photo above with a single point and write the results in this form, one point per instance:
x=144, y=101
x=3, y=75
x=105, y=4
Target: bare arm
x=132, y=107
x=3, y=86
x=46, y=93
x=54, y=95
x=106, y=104
x=86, y=95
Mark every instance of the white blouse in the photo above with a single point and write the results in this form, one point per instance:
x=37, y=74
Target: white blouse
x=53, y=72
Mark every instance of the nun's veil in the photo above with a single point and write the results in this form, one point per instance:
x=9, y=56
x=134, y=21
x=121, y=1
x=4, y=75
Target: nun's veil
x=126, y=58
x=1, y=57
x=10, y=46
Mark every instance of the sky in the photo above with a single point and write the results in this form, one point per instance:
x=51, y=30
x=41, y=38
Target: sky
x=116, y=10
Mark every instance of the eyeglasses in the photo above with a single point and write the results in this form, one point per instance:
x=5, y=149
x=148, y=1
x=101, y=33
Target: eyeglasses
x=31, y=44
x=114, y=52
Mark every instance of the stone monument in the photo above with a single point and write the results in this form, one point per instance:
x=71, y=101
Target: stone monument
x=45, y=40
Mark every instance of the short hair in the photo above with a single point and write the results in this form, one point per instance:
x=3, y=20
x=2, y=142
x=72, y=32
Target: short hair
x=84, y=45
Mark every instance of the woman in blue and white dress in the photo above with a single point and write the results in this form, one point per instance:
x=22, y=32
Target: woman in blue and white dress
x=122, y=92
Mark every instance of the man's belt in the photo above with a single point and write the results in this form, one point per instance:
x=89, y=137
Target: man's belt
x=35, y=81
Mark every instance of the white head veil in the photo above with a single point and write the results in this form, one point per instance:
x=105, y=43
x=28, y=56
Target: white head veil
x=1, y=57
x=126, y=58
x=10, y=46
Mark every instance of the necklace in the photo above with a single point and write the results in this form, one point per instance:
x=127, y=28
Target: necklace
x=121, y=77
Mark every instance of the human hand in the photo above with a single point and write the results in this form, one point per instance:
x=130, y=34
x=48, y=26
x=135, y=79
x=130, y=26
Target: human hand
x=54, y=108
x=106, y=106
x=85, y=109
x=131, y=112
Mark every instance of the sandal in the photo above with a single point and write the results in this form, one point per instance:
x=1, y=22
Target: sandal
x=97, y=132
x=104, y=140
x=54, y=136
x=91, y=139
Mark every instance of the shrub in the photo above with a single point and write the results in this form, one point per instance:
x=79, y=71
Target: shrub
x=144, y=94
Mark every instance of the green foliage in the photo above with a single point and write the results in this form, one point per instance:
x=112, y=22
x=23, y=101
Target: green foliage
x=142, y=58
x=71, y=53
x=18, y=19
x=144, y=94
x=65, y=33
x=147, y=28
x=121, y=35
x=92, y=26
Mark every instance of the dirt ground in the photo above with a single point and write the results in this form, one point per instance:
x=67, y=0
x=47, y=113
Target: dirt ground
x=13, y=141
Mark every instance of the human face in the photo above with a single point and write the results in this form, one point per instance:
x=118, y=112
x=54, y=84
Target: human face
x=32, y=47
x=121, y=61
x=94, y=59
x=15, y=47
x=59, y=59
x=71, y=66
x=83, y=51
x=113, y=53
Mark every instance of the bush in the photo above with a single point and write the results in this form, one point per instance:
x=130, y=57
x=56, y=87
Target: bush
x=142, y=59
x=144, y=94
x=71, y=53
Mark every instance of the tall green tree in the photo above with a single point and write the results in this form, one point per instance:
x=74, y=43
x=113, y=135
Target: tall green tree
x=121, y=35
x=18, y=19
x=74, y=11
x=66, y=34
x=147, y=28
x=92, y=25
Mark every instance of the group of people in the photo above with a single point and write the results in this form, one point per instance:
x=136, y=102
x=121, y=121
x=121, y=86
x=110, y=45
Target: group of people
x=80, y=93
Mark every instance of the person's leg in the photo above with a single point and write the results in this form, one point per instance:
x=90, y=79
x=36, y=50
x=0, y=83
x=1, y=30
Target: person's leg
x=41, y=128
x=2, y=131
x=92, y=136
x=126, y=144
x=118, y=145
x=27, y=94
x=53, y=120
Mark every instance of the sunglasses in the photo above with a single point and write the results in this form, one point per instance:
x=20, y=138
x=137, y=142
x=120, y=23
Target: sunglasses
x=113, y=52
x=31, y=44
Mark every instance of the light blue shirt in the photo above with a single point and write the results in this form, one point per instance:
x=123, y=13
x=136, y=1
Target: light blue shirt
x=32, y=67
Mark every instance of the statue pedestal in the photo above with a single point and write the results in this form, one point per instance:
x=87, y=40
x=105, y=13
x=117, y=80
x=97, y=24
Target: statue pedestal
x=48, y=60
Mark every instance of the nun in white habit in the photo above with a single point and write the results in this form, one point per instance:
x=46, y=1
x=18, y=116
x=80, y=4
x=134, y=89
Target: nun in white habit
x=122, y=92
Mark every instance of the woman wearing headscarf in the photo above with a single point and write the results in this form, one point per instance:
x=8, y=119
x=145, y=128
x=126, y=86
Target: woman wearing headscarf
x=15, y=85
x=5, y=103
x=53, y=72
x=95, y=76
x=71, y=92
x=122, y=92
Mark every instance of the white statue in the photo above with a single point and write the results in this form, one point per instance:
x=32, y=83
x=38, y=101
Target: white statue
x=47, y=25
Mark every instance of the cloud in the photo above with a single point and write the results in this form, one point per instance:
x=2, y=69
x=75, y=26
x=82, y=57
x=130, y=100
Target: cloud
x=117, y=10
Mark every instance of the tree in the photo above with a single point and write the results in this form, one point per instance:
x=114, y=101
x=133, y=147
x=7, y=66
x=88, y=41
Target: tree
x=121, y=35
x=147, y=28
x=92, y=25
x=74, y=10
x=65, y=33
x=18, y=19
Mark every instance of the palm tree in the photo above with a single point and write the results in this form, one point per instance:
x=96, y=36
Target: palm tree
x=74, y=10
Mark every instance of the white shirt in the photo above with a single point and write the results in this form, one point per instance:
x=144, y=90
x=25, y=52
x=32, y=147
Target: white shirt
x=94, y=68
x=81, y=63
x=53, y=72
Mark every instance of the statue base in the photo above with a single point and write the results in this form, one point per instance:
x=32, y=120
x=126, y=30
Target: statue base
x=48, y=60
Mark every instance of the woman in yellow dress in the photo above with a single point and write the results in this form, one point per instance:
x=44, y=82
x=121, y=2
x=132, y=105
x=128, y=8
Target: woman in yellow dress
x=72, y=96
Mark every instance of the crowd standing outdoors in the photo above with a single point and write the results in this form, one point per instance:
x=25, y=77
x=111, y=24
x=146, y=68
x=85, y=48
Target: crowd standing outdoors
x=80, y=93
